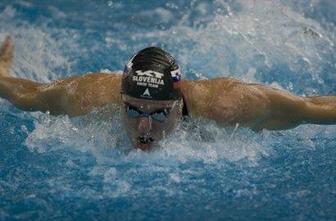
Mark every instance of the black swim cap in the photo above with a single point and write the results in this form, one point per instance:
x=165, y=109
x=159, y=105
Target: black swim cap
x=150, y=74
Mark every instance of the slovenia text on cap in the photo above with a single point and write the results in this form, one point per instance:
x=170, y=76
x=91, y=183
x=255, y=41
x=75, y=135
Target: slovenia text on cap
x=151, y=74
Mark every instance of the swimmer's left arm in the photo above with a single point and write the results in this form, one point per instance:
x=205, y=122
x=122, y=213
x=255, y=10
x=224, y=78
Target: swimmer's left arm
x=287, y=110
x=232, y=102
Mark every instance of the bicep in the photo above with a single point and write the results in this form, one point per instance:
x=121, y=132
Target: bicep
x=52, y=98
x=285, y=110
x=60, y=97
x=80, y=95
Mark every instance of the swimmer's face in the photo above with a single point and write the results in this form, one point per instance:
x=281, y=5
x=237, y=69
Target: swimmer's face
x=147, y=122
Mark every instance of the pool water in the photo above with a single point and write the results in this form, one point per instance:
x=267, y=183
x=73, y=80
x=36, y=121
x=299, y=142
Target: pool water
x=61, y=168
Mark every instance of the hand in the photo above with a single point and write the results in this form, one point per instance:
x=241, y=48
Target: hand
x=6, y=56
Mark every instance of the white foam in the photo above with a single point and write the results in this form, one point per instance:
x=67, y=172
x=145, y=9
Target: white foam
x=39, y=59
x=260, y=35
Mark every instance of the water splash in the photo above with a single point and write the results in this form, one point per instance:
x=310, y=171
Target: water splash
x=260, y=41
x=87, y=162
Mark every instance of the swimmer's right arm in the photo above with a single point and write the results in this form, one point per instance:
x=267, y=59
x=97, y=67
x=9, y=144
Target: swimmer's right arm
x=72, y=96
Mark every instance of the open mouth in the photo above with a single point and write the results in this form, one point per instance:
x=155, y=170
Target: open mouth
x=144, y=143
x=145, y=140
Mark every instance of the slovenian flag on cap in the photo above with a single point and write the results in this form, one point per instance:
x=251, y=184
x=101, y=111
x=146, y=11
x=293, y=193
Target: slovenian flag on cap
x=176, y=75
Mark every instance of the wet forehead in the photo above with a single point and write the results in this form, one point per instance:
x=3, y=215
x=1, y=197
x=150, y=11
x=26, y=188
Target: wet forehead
x=148, y=104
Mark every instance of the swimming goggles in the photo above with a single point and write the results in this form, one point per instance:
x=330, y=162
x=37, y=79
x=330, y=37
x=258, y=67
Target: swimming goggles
x=159, y=115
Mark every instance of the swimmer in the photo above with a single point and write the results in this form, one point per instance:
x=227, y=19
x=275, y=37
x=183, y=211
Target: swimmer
x=154, y=98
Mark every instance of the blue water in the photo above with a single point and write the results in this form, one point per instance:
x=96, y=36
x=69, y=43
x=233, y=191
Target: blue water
x=57, y=168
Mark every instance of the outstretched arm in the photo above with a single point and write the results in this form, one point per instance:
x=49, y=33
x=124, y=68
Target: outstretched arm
x=288, y=110
x=230, y=102
x=73, y=96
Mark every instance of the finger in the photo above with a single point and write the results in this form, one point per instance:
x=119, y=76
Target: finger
x=6, y=56
x=6, y=51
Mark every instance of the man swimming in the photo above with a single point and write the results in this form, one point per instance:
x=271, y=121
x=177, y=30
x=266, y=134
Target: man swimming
x=154, y=98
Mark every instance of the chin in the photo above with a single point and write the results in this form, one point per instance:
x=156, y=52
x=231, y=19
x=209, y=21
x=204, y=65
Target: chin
x=143, y=147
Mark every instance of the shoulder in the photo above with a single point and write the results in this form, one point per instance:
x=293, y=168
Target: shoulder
x=85, y=92
x=225, y=100
x=199, y=95
x=205, y=88
x=89, y=78
x=102, y=76
x=106, y=86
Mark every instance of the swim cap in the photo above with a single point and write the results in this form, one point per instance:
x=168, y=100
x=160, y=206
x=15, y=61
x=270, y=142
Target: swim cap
x=151, y=74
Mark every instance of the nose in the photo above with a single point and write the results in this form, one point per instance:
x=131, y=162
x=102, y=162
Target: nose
x=145, y=125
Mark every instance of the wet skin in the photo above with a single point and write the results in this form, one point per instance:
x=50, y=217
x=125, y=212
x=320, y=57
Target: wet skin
x=227, y=101
x=148, y=121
